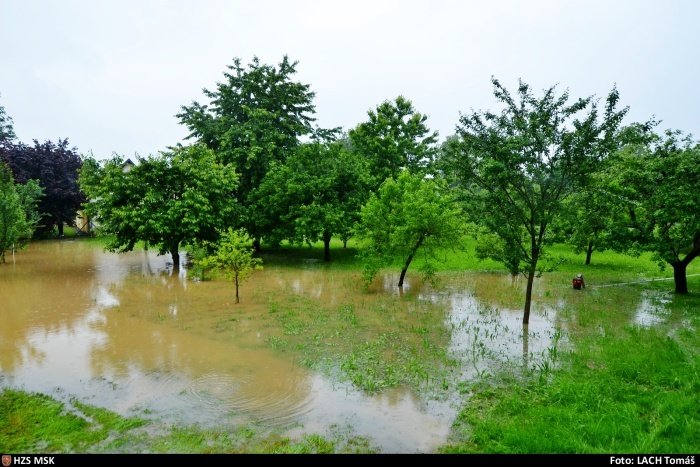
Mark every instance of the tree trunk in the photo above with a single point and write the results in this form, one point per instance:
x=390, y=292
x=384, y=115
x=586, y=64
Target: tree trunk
x=326, y=246
x=59, y=225
x=408, y=261
x=679, y=267
x=679, y=277
x=236, y=279
x=345, y=243
x=589, y=252
x=526, y=346
x=256, y=245
x=535, y=256
x=175, y=252
x=528, y=296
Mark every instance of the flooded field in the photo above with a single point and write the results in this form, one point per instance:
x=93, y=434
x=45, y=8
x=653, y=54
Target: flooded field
x=121, y=332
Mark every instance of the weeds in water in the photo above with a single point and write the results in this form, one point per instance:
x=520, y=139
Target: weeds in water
x=374, y=347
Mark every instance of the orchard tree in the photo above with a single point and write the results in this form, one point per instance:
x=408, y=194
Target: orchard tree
x=176, y=198
x=394, y=137
x=234, y=257
x=408, y=215
x=253, y=118
x=520, y=164
x=316, y=193
x=55, y=166
x=592, y=220
x=658, y=181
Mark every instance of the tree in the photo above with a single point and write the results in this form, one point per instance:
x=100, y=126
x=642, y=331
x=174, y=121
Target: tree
x=315, y=194
x=395, y=137
x=234, y=256
x=658, y=181
x=254, y=118
x=30, y=195
x=55, y=166
x=176, y=198
x=17, y=210
x=406, y=215
x=520, y=164
x=591, y=220
x=7, y=132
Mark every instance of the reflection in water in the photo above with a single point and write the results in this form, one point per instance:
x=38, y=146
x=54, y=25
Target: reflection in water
x=652, y=309
x=120, y=331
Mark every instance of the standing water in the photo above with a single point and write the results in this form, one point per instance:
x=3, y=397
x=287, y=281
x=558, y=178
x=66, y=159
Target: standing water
x=121, y=332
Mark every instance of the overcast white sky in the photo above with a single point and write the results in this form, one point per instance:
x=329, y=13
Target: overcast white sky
x=111, y=75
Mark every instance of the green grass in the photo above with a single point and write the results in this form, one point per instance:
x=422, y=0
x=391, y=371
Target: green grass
x=606, y=265
x=373, y=345
x=37, y=423
x=620, y=389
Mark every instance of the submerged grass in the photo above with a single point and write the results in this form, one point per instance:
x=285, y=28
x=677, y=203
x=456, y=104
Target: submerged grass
x=37, y=423
x=374, y=345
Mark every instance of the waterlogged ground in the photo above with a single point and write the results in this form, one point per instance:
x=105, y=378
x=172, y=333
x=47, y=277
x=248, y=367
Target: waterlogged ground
x=308, y=350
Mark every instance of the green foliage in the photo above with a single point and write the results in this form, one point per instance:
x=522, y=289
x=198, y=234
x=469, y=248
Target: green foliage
x=234, y=256
x=30, y=194
x=179, y=197
x=518, y=166
x=593, y=219
x=313, y=195
x=657, y=182
x=408, y=214
x=395, y=137
x=18, y=210
x=254, y=118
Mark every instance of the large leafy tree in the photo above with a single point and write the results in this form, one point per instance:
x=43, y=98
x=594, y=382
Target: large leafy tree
x=408, y=215
x=253, y=118
x=176, y=198
x=55, y=166
x=658, y=180
x=394, y=137
x=520, y=164
x=316, y=193
x=18, y=215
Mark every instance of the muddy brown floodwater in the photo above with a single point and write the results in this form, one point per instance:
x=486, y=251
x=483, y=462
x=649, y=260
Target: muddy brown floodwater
x=120, y=332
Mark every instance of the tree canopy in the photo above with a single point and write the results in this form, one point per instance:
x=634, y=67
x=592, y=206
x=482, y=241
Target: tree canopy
x=55, y=166
x=408, y=215
x=254, y=118
x=519, y=165
x=178, y=197
x=315, y=194
x=657, y=180
x=18, y=215
x=394, y=137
